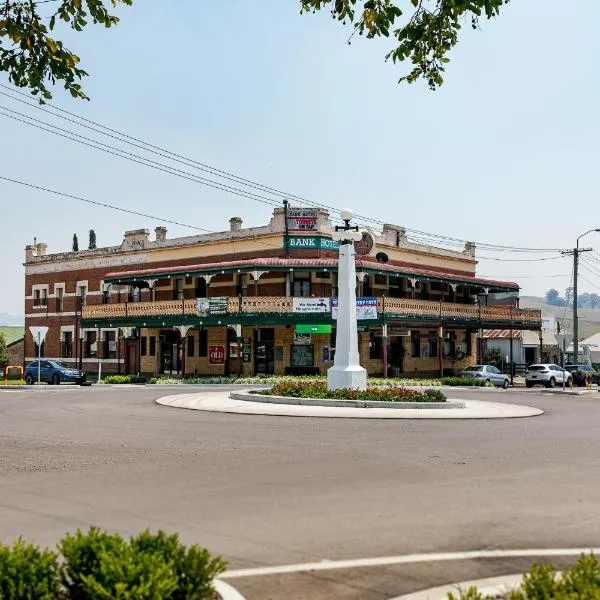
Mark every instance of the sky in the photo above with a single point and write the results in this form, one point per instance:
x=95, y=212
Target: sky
x=506, y=152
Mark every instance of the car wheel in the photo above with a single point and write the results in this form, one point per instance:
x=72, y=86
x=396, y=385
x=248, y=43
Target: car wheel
x=505, y=384
x=55, y=379
x=29, y=379
x=552, y=382
x=528, y=384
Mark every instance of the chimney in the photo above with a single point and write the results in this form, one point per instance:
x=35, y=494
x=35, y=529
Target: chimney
x=41, y=248
x=235, y=224
x=30, y=252
x=161, y=234
x=469, y=249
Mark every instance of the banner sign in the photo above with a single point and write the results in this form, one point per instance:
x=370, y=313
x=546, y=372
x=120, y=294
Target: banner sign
x=311, y=305
x=302, y=219
x=312, y=243
x=212, y=306
x=302, y=339
x=313, y=328
x=216, y=355
x=366, y=308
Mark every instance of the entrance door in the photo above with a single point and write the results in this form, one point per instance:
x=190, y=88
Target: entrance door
x=530, y=355
x=264, y=351
x=131, y=357
x=396, y=357
x=170, y=349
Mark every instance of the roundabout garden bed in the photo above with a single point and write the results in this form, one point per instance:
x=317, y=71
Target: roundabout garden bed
x=317, y=389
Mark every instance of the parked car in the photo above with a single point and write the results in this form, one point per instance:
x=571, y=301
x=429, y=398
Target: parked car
x=488, y=373
x=54, y=372
x=582, y=372
x=547, y=374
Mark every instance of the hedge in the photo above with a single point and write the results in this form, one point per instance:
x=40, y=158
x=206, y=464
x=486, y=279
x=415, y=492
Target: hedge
x=123, y=379
x=316, y=389
x=101, y=565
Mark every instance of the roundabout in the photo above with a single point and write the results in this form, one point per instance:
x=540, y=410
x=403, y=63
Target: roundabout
x=245, y=403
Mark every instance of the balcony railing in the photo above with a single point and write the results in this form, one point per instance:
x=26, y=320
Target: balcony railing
x=400, y=307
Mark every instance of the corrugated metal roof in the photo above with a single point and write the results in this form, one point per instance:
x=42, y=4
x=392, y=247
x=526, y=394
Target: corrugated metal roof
x=261, y=263
x=12, y=334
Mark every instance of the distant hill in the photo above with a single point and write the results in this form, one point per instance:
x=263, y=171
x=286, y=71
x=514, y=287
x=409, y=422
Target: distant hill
x=9, y=320
x=589, y=318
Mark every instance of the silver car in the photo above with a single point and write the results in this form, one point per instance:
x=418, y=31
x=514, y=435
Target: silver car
x=488, y=373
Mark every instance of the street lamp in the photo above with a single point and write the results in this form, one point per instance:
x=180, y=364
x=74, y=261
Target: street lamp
x=346, y=371
x=576, y=253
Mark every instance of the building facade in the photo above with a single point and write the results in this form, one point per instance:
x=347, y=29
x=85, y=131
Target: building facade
x=262, y=300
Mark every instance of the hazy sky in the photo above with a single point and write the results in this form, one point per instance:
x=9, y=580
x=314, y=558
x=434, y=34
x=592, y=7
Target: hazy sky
x=506, y=152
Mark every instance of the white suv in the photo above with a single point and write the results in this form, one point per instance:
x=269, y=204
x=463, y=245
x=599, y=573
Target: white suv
x=548, y=375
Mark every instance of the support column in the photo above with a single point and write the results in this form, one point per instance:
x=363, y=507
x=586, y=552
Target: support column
x=441, y=349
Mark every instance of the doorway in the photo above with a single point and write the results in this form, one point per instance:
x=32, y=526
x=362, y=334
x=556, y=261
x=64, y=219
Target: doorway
x=170, y=352
x=131, y=356
x=264, y=351
x=396, y=357
x=233, y=364
x=530, y=355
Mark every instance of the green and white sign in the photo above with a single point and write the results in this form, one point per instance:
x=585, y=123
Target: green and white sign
x=298, y=242
x=313, y=328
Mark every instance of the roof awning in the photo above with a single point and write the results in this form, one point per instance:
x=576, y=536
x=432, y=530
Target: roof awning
x=304, y=264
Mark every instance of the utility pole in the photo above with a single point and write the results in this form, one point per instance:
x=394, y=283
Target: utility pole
x=286, y=237
x=575, y=253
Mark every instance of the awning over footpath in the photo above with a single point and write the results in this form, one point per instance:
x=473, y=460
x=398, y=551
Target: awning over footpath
x=287, y=264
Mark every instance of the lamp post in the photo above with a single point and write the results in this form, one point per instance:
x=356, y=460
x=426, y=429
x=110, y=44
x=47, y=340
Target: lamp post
x=576, y=252
x=346, y=371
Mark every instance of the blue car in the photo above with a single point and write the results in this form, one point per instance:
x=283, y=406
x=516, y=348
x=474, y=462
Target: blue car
x=54, y=372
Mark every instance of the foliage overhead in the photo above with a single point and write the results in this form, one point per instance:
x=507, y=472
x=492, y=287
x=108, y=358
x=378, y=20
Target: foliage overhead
x=29, y=52
x=75, y=245
x=424, y=32
x=3, y=354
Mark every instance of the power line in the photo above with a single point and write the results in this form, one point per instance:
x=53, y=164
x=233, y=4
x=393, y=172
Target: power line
x=148, y=147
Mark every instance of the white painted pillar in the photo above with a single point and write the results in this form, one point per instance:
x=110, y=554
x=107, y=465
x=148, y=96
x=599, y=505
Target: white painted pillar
x=346, y=371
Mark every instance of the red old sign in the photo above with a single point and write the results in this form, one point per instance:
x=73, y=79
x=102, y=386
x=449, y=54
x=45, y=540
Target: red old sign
x=216, y=355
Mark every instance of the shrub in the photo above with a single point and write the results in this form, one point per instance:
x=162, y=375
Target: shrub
x=465, y=381
x=28, y=573
x=123, y=379
x=580, y=582
x=317, y=388
x=100, y=565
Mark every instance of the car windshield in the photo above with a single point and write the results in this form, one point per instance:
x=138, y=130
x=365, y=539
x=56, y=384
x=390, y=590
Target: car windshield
x=59, y=364
x=477, y=368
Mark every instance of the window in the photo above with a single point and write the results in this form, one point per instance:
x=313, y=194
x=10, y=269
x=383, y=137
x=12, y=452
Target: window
x=82, y=295
x=152, y=345
x=424, y=290
x=396, y=287
x=38, y=352
x=67, y=344
x=415, y=344
x=110, y=344
x=144, y=346
x=40, y=297
x=60, y=298
x=302, y=356
x=203, y=343
x=90, y=345
x=178, y=289
x=135, y=294
x=432, y=342
x=200, y=287
x=375, y=346
x=301, y=285
x=190, y=345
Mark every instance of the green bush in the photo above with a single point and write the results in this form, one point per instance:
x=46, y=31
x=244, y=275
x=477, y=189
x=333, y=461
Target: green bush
x=465, y=381
x=28, y=573
x=581, y=582
x=299, y=388
x=123, y=379
x=102, y=565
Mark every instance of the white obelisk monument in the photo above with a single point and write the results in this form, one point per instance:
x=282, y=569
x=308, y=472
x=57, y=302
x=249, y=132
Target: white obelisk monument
x=346, y=371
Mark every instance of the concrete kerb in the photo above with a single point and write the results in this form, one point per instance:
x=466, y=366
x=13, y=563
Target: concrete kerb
x=247, y=396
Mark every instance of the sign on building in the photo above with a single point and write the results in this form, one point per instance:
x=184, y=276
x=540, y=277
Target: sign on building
x=302, y=339
x=301, y=242
x=302, y=219
x=212, y=306
x=311, y=305
x=366, y=308
x=216, y=355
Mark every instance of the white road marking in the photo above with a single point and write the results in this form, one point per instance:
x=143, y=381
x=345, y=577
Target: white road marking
x=226, y=591
x=403, y=560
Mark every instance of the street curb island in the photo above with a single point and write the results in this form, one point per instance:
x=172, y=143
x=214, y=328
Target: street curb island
x=249, y=397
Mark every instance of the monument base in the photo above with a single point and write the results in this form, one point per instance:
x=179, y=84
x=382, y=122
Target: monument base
x=354, y=377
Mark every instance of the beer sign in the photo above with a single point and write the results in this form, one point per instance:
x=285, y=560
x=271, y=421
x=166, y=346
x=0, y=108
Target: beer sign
x=216, y=355
x=302, y=219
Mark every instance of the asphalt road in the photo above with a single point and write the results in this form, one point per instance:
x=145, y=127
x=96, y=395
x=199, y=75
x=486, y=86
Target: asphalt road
x=275, y=490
